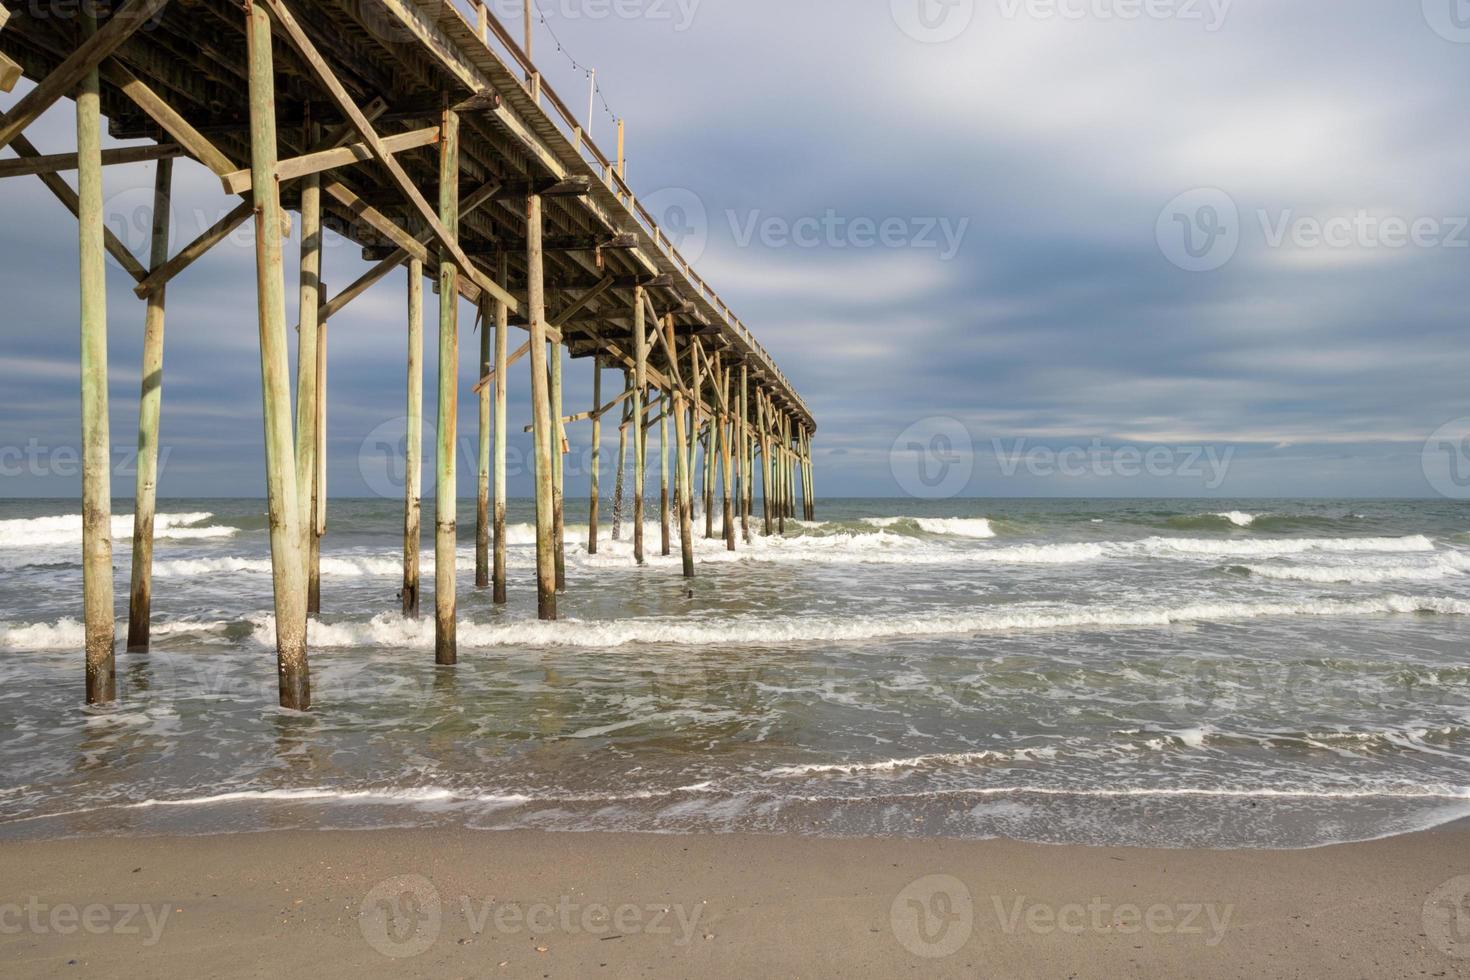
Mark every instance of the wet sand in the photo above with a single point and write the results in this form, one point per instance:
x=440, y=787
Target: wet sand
x=449, y=903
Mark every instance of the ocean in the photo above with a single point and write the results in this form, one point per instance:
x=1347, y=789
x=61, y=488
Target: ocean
x=1175, y=673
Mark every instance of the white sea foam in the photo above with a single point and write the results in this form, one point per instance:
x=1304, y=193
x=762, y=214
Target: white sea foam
x=958, y=527
x=1448, y=565
x=1238, y=518
x=391, y=630
x=913, y=762
x=68, y=633
x=66, y=529
x=1160, y=546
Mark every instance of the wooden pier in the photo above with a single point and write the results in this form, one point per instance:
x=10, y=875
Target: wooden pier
x=422, y=131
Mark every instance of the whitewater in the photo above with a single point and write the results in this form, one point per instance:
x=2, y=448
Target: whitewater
x=1282, y=673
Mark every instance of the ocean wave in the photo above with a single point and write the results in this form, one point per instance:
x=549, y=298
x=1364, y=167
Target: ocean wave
x=1273, y=547
x=68, y=633
x=1445, y=566
x=392, y=630
x=66, y=529
x=958, y=527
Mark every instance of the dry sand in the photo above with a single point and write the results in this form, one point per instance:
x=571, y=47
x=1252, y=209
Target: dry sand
x=450, y=903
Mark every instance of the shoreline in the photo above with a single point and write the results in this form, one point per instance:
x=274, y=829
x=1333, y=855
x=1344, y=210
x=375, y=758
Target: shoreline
x=452, y=901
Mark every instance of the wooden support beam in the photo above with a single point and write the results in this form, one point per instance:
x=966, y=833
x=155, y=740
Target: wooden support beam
x=307, y=408
x=413, y=463
x=238, y=181
x=560, y=243
x=150, y=403
x=595, y=477
x=640, y=433
x=79, y=66
x=727, y=473
x=558, y=469
x=540, y=413
x=143, y=95
x=96, y=441
x=10, y=73
x=52, y=163
x=446, y=647
x=329, y=81
x=663, y=465
x=580, y=303
x=398, y=256
x=686, y=524
x=743, y=447
x=195, y=250
x=502, y=378
x=490, y=378
x=482, y=474
x=318, y=525
x=595, y=414
x=617, y=528
x=288, y=564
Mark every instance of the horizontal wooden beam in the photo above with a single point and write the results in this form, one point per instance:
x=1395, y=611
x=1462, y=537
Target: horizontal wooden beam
x=238, y=182
x=51, y=163
x=64, y=79
x=558, y=243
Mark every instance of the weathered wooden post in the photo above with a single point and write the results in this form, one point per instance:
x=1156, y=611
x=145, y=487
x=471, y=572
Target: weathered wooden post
x=309, y=313
x=558, y=469
x=744, y=450
x=617, y=528
x=666, y=404
x=288, y=552
x=809, y=491
x=766, y=470
x=482, y=475
x=595, y=476
x=318, y=524
x=540, y=412
x=640, y=433
x=150, y=404
x=682, y=454
x=502, y=368
x=446, y=647
x=727, y=430
x=413, y=463
x=96, y=438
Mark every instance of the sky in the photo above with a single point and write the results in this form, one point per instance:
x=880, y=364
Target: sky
x=1001, y=248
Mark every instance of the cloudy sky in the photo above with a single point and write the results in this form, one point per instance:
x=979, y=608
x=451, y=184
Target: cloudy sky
x=1041, y=240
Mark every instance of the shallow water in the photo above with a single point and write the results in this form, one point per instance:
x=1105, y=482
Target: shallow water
x=1178, y=673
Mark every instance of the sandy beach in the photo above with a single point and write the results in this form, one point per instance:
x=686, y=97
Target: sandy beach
x=462, y=903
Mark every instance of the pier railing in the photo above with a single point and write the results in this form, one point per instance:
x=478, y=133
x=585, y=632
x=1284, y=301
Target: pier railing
x=478, y=16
